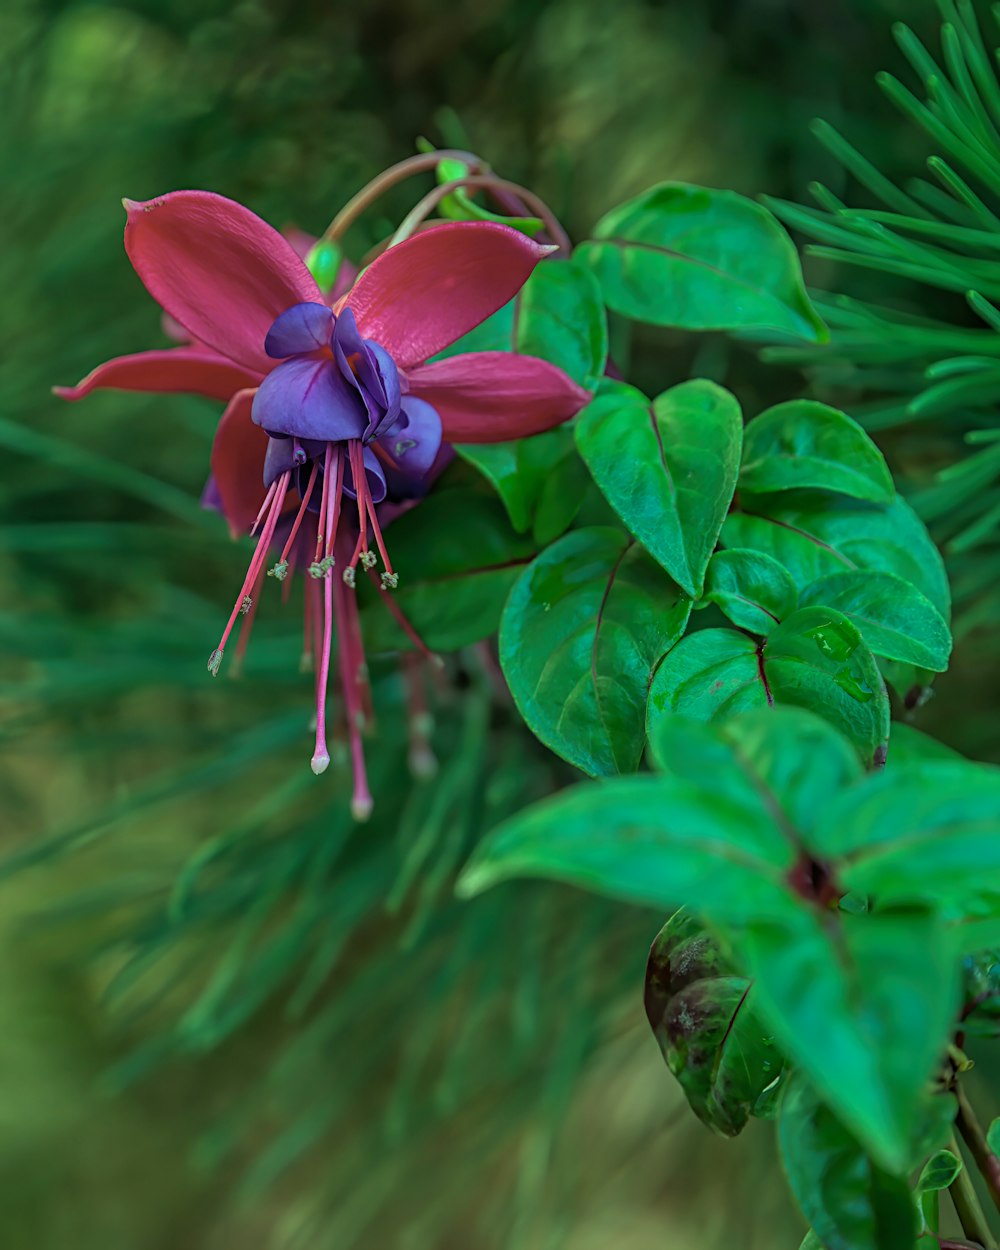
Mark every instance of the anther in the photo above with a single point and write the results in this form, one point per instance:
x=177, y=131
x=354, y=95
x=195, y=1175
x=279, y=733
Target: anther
x=390, y=581
x=320, y=762
x=279, y=570
x=214, y=661
x=349, y=576
x=246, y=605
x=361, y=808
x=368, y=559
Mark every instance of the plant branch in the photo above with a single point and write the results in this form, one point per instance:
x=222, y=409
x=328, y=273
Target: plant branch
x=972, y=1134
x=967, y=1206
x=487, y=182
x=419, y=164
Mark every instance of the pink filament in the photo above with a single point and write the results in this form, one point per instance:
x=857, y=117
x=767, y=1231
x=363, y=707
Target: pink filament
x=277, y=498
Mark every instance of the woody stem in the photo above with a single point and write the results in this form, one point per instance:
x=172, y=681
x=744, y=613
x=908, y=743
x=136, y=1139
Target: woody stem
x=367, y=196
x=488, y=182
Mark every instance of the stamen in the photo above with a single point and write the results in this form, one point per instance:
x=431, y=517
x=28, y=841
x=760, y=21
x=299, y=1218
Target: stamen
x=236, y=667
x=308, y=608
x=360, y=487
x=264, y=506
x=361, y=801
x=277, y=498
x=404, y=624
x=338, y=496
x=321, y=756
x=283, y=558
x=378, y=536
x=320, y=532
x=320, y=761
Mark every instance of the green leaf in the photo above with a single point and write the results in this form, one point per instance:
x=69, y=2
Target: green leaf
x=803, y=443
x=660, y=841
x=540, y=480
x=895, y=619
x=702, y=1017
x=790, y=760
x=709, y=674
x=993, y=1137
x=583, y=628
x=457, y=559
x=557, y=315
x=815, y=659
x=814, y=535
x=851, y=1202
x=751, y=588
x=909, y=746
x=926, y=832
x=667, y=468
x=939, y=1171
x=864, y=1005
x=700, y=259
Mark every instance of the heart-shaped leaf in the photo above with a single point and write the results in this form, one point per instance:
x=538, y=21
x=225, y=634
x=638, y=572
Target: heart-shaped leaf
x=803, y=443
x=700, y=259
x=895, y=619
x=583, y=628
x=668, y=468
x=813, y=536
x=751, y=588
x=815, y=659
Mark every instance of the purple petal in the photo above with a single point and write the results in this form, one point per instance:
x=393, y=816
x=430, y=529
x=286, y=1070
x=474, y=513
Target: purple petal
x=377, y=487
x=211, y=496
x=303, y=328
x=369, y=368
x=309, y=399
x=282, y=454
x=409, y=447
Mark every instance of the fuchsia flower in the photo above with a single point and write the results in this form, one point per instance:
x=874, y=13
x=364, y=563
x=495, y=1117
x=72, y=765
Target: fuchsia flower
x=333, y=412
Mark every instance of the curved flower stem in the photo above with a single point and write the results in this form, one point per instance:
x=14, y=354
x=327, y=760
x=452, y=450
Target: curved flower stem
x=367, y=196
x=972, y=1134
x=488, y=182
x=967, y=1206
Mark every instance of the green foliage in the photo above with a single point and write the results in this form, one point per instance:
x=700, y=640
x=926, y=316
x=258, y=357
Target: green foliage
x=583, y=629
x=753, y=590
x=757, y=826
x=815, y=659
x=839, y=905
x=668, y=468
x=851, y=1203
x=700, y=259
x=802, y=444
x=702, y=1016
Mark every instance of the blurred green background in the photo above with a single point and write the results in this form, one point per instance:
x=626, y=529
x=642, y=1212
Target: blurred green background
x=227, y=1017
